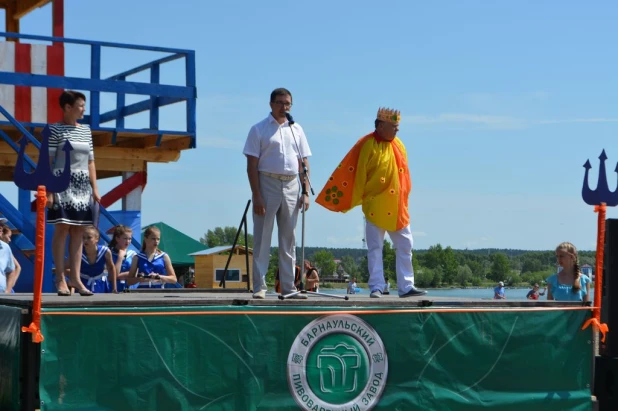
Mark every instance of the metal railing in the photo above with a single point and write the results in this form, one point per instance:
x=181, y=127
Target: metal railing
x=159, y=95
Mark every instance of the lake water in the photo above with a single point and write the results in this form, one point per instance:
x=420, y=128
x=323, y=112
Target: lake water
x=485, y=293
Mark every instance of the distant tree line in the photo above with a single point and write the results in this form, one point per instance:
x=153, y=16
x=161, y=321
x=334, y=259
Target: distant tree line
x=439, y=266
x=434, y=267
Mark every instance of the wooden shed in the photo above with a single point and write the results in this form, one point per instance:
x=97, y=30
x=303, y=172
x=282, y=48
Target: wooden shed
x=210, y=265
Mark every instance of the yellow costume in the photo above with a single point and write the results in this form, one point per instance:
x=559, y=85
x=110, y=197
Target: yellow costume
x=375, y=174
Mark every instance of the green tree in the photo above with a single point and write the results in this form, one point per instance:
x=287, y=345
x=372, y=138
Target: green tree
x=225, y=236
x=273, y=264
x=363, y=270
x=349, y=265
x=436, y=280
x=389, y=262
x=433, y=257
x=325, y=263
x=416, y=264
x=500, y=267
x=530, y=265
x=464, y=275
x=449, y=265
x=423, y=277
x=477, y=269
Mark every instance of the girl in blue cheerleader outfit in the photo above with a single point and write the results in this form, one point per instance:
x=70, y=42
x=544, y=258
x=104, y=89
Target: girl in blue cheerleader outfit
x=122, y=256
x=95, y=259
x=152, y=268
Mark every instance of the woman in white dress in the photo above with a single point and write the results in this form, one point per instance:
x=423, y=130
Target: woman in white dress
x=72, y=210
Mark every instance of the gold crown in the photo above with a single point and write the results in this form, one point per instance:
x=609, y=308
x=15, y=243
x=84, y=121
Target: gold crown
x=388, y=115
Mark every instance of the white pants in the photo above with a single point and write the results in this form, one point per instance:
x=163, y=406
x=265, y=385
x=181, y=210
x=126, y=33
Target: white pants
x=403, y=243
x=282, y=201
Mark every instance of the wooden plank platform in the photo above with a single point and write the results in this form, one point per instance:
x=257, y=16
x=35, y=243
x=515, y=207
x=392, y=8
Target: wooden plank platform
x=193, y=297
x=115, y=151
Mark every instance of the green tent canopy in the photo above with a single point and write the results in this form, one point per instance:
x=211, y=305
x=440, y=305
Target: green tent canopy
x=176, y=244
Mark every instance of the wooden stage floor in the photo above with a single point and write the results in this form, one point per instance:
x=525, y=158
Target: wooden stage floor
x=196, y=297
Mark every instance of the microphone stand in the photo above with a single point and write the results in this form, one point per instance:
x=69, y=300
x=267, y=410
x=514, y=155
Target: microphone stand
x=304, y=182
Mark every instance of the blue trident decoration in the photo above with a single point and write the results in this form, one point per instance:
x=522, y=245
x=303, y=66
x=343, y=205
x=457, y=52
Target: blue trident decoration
x=601, y=194
x=42, y=175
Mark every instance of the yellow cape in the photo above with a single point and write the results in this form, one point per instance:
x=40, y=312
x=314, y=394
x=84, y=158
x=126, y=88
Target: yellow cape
x=375, y=174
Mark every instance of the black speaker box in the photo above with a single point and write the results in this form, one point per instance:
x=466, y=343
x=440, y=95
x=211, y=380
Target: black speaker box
x=609, y=290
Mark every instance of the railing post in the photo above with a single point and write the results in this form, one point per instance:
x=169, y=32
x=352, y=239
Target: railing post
x=120, y=102
x=24, y=198
x=11, y=23
x=95, y=74
x=155, y=72
x=191, y=102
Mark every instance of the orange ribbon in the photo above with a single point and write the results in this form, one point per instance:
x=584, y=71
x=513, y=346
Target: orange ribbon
x=602, y=327
x=37, y=337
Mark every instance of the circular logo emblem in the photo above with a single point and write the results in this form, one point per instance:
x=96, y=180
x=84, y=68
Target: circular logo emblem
x=337, y=362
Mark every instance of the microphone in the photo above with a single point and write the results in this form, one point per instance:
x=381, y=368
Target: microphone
x=289, y=117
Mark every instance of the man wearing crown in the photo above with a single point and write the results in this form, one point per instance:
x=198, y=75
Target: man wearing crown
x=375, y=174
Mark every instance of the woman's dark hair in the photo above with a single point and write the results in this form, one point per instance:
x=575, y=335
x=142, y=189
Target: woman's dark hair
x=4, y=229
x=70, y=97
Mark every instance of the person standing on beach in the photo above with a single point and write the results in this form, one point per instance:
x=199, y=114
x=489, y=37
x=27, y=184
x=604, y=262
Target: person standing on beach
x=534, y=293
x=499, y=292
x=312, y=278
x=275, y=148
x=375, y=174
x=10, y=276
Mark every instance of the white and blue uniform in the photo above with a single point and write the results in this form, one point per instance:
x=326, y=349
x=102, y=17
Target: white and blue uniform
x=156, y=266
x=94, y=275
x=121, y=285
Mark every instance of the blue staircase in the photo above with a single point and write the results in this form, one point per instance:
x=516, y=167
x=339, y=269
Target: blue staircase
x=157, y=95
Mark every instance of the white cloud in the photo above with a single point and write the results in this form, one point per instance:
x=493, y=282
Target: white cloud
x=419, y=234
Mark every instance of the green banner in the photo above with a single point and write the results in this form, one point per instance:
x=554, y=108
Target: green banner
x=248, y=358
x=10, y=344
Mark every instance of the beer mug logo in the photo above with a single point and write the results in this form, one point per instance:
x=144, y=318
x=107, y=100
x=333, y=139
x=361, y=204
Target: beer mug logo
x=337, y=362
x=338, y=367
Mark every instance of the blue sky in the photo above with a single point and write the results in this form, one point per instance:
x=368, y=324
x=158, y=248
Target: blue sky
x=502, y=103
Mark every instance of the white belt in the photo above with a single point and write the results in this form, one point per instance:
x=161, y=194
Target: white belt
x=282, y=177
x=150, y=283
x=91, y=280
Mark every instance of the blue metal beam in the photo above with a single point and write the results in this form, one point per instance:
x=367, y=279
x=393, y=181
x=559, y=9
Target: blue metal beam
x=144, y=67
x=120, y=102
x=95, y=74
x=155, y=72
x=87, y=42
x=75, y=83
x=135, y=108
x=118, y=130
x=20, y=127
x=191, y=104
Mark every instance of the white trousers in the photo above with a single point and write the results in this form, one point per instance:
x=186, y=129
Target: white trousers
x=282, y=201
x=403, y=243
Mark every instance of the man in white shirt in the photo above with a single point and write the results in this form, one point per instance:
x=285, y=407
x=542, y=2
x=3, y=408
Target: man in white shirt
x=7, y=268
x=8, y=273
x=274, y=151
